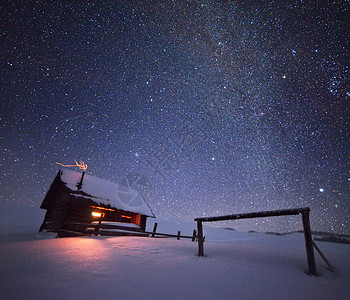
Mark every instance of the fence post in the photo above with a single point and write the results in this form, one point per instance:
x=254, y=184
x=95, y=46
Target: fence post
x=98, y=227
x=308, y=243
x=200, y=238
x=178, y=235
x=154, y=229
x=331, y=268
x=194, y=235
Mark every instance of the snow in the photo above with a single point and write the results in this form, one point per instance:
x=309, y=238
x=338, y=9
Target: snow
x=123, y=230
x=237, y=265
x=106, y=192
x=130, y=225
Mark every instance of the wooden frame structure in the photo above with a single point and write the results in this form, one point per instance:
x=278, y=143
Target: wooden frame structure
x=305, y=212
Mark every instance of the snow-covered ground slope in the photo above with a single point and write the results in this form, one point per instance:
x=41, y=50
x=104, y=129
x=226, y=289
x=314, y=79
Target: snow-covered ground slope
x=237, y=266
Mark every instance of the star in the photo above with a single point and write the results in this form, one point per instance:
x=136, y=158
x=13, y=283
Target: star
x=184, y=94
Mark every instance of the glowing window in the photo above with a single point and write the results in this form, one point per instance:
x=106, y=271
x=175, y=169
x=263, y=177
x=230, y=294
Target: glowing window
x=97, y=214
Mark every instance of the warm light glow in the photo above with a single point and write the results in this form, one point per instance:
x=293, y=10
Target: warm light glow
x=83, y=166
x=99, y=207
x=97, y=214
x=127, y=217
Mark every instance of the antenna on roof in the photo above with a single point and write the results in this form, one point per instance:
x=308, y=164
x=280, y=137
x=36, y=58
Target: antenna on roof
x=82, y=166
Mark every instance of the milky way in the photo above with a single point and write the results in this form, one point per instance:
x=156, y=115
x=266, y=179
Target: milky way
x=207, y=107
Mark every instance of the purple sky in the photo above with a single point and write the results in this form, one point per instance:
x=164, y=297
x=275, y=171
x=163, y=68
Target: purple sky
x=219, y=107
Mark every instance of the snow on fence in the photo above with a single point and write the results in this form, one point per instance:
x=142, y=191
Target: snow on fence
x=178, y=236
x=116, y=228
x=305, y=212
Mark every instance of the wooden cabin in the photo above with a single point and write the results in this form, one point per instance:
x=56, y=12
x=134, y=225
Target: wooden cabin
x=76, y=200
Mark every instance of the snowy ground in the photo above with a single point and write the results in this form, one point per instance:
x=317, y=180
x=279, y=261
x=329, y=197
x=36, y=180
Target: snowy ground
x=237, y=266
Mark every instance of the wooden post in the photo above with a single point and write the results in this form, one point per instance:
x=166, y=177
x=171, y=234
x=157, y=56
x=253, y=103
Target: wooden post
x=80, y=184
x=178, y=235
x=194, y=235
x=308, y=243
x=154, y=229
x=331, y=268
x=97, y=228
x=200, y=238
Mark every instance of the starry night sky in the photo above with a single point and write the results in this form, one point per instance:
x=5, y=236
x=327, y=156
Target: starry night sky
x=207, y=107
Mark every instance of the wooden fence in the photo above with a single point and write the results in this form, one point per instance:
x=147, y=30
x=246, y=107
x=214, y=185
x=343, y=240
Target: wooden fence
x=305, y=212
x=118, y=229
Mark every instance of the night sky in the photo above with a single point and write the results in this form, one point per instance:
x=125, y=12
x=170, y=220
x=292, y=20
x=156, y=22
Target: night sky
x=206, y=107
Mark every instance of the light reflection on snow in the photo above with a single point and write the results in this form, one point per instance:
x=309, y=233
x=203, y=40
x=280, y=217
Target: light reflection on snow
x=43, y=267
x=86, y=254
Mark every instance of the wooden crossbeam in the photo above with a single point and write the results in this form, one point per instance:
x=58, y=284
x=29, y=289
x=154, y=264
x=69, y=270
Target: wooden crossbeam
x=261, y=214
x=305, y=211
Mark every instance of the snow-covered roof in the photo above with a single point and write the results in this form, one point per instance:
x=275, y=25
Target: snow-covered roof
x=104, y=192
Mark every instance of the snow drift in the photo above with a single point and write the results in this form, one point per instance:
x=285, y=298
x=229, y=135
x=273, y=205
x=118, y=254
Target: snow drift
x=237, y=266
